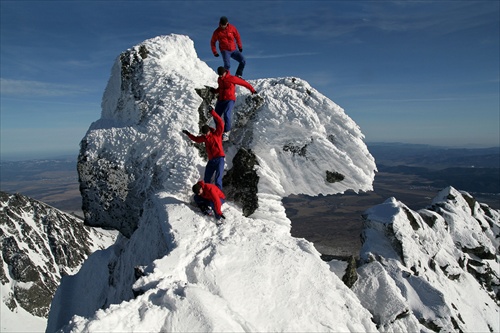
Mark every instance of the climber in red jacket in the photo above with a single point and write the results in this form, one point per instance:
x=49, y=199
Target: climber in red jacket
x=226, y=34
x=227, y=97
x=209, y=195
x=212, y=137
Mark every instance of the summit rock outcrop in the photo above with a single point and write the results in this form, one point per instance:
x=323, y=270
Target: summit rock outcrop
x=173, y=269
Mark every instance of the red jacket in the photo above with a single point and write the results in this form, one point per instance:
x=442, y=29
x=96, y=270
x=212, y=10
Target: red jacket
x=214, y=194
x=227, y=89
x=226, y=39
x=213, y=139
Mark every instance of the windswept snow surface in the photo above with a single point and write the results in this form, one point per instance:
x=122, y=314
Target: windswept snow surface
x=420, y=267
x=248, y=274
x=20, y=320
x=39, y=244
x=297, y=135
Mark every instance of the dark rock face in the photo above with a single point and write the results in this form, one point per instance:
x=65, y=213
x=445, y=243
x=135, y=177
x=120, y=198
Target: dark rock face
x=131, y=66
x=296, y=149
x=240, y=183
x=209, y=99
x=39, y=245
x=351, y=275
x=334, y=176
x=106, y=184
x=109, y=186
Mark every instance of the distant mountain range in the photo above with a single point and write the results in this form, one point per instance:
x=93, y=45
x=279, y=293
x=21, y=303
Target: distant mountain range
x=35, y=169
x=434, y=157
x=475, y=170
x=40, y=245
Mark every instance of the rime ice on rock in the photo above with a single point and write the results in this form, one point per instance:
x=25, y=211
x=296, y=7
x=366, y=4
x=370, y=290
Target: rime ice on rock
x=438, y=266
x=136, y=169
x=175, y=270
x=299, y=140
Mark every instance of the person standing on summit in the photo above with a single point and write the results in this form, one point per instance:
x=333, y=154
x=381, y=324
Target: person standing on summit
x=226, y=34
x=227, y=97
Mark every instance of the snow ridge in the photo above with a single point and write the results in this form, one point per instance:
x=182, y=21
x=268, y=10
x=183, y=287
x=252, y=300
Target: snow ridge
x=175, y=270
x=40, y=245
x=136, y=170
x=147, y=103
x=438, y=267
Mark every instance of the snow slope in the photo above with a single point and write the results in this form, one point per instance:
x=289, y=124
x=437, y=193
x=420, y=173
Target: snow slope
x=39, y=245
x=249, y=273
x=438, y=267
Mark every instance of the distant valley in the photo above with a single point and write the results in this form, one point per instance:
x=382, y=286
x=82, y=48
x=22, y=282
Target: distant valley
x=52, y=181
x=413, y=174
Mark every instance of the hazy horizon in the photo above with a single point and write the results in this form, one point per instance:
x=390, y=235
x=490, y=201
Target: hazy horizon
x=62, y=154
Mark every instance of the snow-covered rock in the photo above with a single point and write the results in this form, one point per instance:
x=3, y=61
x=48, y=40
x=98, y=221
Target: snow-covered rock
x=173, y=269
x=40, y=245
x=183, y=272
x=438, y=267
x=303, y=142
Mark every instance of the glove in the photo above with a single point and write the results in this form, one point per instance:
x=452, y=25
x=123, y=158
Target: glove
x=222, y=215
x=254, y=92
x=213, y=90
x=185, y=132
x=216, y=54
x=240, y=49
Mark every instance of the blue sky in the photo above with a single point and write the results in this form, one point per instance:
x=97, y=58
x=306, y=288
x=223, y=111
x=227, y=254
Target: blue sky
x=405, y=71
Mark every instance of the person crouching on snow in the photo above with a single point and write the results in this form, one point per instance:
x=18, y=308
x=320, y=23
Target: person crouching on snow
x=208, y=196
x=212, y=137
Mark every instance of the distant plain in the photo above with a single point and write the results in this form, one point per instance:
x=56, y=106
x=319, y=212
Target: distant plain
x=413, y=174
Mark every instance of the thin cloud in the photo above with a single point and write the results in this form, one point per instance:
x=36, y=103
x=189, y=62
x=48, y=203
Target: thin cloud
x=269, y=56
x=336, y=19
x=397, y=93
x=9, y=87
x=283, y=55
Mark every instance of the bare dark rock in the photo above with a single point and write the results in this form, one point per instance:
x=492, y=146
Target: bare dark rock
x=240, y=183
x=351, y=275
x=333, y=176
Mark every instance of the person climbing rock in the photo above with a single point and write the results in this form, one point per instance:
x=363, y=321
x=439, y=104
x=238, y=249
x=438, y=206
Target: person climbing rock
x=227, y=97
x=212, y=137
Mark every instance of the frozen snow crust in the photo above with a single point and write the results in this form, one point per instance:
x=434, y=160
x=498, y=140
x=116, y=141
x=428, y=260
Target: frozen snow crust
x=299, y=137
x=136, y=171
x=438, y=267
x=39, y=245
x=175, y=270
